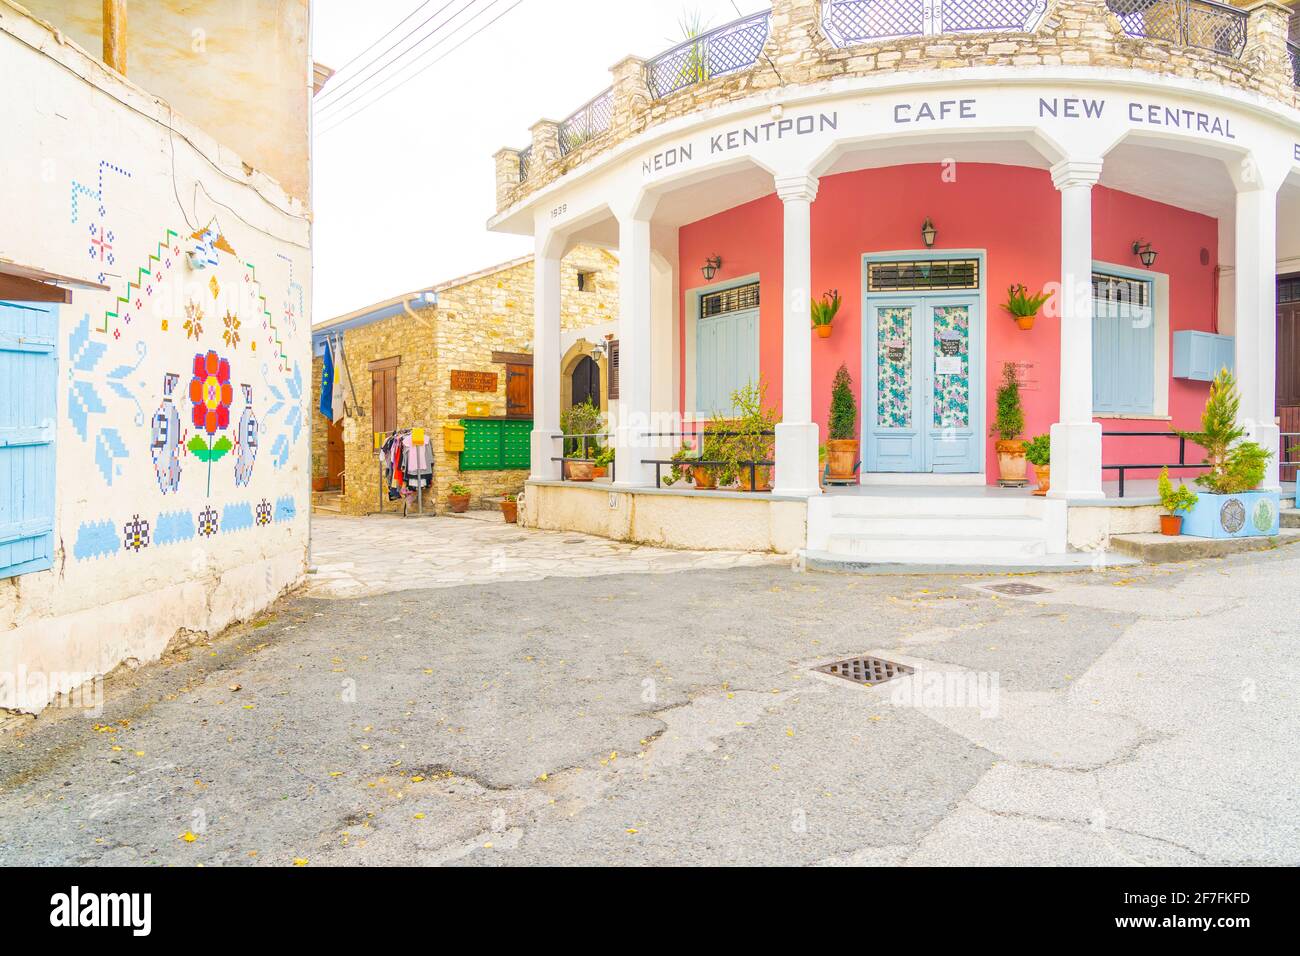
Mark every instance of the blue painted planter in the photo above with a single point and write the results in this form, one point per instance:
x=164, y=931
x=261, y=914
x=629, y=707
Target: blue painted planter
x=1251, y=514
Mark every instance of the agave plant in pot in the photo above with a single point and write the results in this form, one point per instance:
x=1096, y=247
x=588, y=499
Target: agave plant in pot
x=1231, y=506
x=824, y=311
x=1024, y=307
x=1176, y=501
x=842, y=429
x=1008, y=424
x=1038, y=452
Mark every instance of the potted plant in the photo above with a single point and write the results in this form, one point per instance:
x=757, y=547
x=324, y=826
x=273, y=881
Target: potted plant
x=1038, y=452
x=604, y=458
x=823, y=312
x=842, y=430
x=1023, y=306
x=581, y=468
x=583, y=419
x=685, y=469
x=1008, y=423
x=510, y=508
x=458, y=499
x=1230, y=507
x=1174, y=501
x=751, y=437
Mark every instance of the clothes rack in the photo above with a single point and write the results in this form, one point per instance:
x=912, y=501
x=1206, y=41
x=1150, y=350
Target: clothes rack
x=406, y=467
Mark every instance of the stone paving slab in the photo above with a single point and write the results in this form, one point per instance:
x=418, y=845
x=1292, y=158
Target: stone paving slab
x=1164, y=548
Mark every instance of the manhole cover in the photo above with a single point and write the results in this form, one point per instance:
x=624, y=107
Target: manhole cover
x=1016, y=587
x=866, y=670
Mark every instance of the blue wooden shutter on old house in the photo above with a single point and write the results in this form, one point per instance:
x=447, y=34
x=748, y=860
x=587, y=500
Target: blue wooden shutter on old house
x=28, y=368
x=1123, y=345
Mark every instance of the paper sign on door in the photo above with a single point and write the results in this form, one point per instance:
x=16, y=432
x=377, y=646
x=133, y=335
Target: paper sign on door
x=947, y=365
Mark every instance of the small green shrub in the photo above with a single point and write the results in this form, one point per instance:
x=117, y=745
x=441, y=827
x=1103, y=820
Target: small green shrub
x=1235, y=465
x=1039, y=450
x=1175, y=500
x=458, y=490
x=1009, y=421
x=843, y=425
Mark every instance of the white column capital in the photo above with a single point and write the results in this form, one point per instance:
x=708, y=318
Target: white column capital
x=1076, y=172
x=800, y=187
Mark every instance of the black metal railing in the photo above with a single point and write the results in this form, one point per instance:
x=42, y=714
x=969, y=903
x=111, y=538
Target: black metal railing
x=1204, y=24
x=852, y=22
x=587, y=122
x=1182, y=461
x=1293, y=49
x=525, y=156
x=751, y=466
x=726, y=49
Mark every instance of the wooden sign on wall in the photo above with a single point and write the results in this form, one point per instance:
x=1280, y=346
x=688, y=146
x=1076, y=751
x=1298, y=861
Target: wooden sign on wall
x=473, y=381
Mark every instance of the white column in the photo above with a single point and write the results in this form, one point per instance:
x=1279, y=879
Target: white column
x=1076, y=438
x=796, y=436
x=546, y=361
x=1256, y=317
x=634, y=355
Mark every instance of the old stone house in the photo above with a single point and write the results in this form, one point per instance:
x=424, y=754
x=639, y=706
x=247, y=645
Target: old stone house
x=457, y=353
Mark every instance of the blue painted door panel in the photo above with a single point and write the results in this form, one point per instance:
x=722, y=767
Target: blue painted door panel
x=726, y=358
x=893, y=420
x=28, y=367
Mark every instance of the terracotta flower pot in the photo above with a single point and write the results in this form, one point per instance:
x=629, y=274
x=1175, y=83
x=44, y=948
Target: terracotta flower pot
x=1025, y=322
x=702, y=477
x=1044, y=473
x=1171, y=525
x=459, y=504
x=599, y=471
x=581, y=471
x=510, y=511
x=842, y=456
x=1011, y=463
x=317, y=482
x=823, y=331
x=762, y=478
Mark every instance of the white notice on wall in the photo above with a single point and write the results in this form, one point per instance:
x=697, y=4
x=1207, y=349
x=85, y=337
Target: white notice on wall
x=947, y=365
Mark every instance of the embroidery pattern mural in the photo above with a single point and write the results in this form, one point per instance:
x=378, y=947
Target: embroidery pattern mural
x=952, y=392
x=894, y=367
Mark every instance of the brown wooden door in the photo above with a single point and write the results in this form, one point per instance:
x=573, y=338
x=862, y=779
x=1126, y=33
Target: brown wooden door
x=334, y=457
x=519, y=390
x=1288, y=369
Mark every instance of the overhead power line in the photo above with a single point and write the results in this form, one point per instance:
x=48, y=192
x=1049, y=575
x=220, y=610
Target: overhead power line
x=433, y=63
x=375, y=43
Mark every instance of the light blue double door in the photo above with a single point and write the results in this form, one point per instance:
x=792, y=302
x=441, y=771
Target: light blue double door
x=923, y=393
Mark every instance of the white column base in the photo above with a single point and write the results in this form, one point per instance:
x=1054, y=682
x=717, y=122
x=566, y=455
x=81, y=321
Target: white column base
x=1076, y=461
x=796, y=460
x=544, y=446
x=631, y=444
x=1270, y=436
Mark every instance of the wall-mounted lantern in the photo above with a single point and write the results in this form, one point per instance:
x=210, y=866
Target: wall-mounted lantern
x=1144, y=252
x=711, y=267
x=928, y=233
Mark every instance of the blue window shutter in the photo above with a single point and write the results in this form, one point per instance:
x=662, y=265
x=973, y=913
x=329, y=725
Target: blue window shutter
x=28, y=367
x=726, y=357
x=1123, y=358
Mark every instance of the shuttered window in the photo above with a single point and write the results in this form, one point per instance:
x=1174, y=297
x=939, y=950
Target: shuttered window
x=1123, y=345
x=28, y=372
x=726, y=347
x=613, y=369
x=495, y=445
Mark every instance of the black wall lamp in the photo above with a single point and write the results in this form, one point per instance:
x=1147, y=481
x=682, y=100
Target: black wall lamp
x=928, y=233
x=1144, y=252
x=711, y=267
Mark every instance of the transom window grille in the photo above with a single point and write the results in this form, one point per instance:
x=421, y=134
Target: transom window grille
x=1288, y=290
x=738, y=299
x=1120, y=291
x=923, y=275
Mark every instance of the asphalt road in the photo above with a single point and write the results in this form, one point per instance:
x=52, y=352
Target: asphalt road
x=1146, y=716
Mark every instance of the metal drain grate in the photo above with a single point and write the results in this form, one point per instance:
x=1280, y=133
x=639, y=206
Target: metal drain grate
x=1016, y=587
x=866, y=670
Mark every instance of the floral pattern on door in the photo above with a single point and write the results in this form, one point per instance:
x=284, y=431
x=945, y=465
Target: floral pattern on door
x=952, y=392
x=894, y=367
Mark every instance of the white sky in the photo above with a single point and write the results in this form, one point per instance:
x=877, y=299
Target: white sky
x=403, y=189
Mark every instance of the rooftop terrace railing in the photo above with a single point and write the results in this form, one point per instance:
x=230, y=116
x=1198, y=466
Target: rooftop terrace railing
x=722, y=50
x=587, y=122
x=1294, y=50
x=853, y=22
x=525, y=155
x=1199, y=23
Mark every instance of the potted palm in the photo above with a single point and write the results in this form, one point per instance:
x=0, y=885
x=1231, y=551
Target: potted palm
x=458, y=499
x=1008, y=423
x=1038, y=452
x=1023, y=306
x=1230, y=507
x=824, y=311
x=1174, y=501
x=842, y=429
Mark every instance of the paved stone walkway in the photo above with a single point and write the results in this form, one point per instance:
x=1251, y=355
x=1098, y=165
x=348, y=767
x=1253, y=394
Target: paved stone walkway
x=356, y=557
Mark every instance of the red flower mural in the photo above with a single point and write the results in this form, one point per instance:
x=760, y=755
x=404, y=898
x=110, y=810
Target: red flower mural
x=211, y=393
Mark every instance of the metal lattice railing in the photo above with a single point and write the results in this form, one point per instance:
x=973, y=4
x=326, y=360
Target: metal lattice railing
x=851, y=22
x=1199, y=23
x=735, y=46
x=1294, y=50
x=525, y=155
x=587, y=122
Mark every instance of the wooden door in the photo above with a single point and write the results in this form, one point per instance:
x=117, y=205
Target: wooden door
x=519, y=390
x=1288, y=369
x=334, y=457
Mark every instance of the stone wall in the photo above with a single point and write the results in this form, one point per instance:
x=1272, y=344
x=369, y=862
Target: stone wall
x=1072, y=33
x=487, y=313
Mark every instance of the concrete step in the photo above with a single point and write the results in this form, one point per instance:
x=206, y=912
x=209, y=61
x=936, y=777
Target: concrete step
x=330, y=501
x=1291, y=518
x=955, y=526
x=887, y=547
x=1073, y=561
x=897, y=505
x=1160, y=548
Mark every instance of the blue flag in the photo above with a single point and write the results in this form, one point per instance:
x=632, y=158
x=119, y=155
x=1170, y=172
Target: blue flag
x=327, y=384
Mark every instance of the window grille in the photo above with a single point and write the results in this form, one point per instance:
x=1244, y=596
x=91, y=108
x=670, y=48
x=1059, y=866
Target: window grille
x=738, y=299
x=923, y=275
x=1117, y=290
